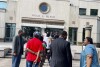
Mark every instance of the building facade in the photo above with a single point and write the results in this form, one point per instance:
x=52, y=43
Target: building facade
x=80, y=18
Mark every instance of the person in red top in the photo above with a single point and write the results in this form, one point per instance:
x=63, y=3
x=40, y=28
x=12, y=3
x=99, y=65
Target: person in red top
x=34, y=47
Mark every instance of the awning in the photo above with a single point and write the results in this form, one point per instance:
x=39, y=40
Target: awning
x=43, y=23
x=42, y=20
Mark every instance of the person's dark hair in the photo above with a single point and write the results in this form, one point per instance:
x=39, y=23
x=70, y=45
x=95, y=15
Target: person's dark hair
x=90, y=40
x=56, y=36
x=20, y=31
x=36, y=34
x=48, y=34
x=64, y=34
x=41, y=38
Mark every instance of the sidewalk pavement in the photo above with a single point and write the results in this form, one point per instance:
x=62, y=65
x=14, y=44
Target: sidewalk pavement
x=6, y=62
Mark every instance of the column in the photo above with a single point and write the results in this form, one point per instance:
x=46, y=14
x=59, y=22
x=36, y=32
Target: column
x=2, y=24
x=42, y=31
x=88, y=31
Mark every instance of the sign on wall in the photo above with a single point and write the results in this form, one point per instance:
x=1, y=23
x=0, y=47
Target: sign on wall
x=43, y=16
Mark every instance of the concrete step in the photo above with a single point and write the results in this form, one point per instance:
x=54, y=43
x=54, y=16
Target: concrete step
x=1, y=53
x=76, y=56
x=9, y=55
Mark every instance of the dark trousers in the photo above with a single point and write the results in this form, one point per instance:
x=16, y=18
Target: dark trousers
x=48, y=54
x=31, y=64
x=16, y=60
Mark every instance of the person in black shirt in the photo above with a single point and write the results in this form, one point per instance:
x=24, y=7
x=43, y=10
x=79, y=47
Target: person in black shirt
x=60, y=52
x=18, y=48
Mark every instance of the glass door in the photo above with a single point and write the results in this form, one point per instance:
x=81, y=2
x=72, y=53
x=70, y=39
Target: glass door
x=73, y=35
x=29, y=31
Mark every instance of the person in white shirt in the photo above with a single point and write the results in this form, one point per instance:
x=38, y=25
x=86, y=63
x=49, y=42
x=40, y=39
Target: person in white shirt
x=47, y=39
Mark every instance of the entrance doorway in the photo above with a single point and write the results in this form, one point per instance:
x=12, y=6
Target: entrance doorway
x=30, y=30
x=53, y=30
x=73, y=35
x=83, y=37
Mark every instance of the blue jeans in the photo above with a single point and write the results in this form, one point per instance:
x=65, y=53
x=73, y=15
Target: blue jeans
x=31, y=64
x=16, y=60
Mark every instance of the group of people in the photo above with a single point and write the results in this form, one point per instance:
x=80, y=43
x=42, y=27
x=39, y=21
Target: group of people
x=57, y=51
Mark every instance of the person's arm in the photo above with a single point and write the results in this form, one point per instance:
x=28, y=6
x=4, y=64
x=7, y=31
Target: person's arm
x=38, y=54
x=28, y=48
x=69, y=54
x=49, y=40
x=89, y=55
x=51, y=50
x=15, y=46
x=31, y=51
x=89, y=60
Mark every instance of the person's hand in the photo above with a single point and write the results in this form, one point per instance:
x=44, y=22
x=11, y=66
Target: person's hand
x=35, y=61
x=35, y=53
x=14, y=54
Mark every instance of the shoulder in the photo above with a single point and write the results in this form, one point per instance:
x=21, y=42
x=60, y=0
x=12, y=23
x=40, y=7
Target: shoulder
x=60, y=40
x=16, y=37
x=89, y=49
x=91, y=46
x=38, y=41
x=49, y=38
x=57, y=40
x=67, y=43
x=30, y=40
